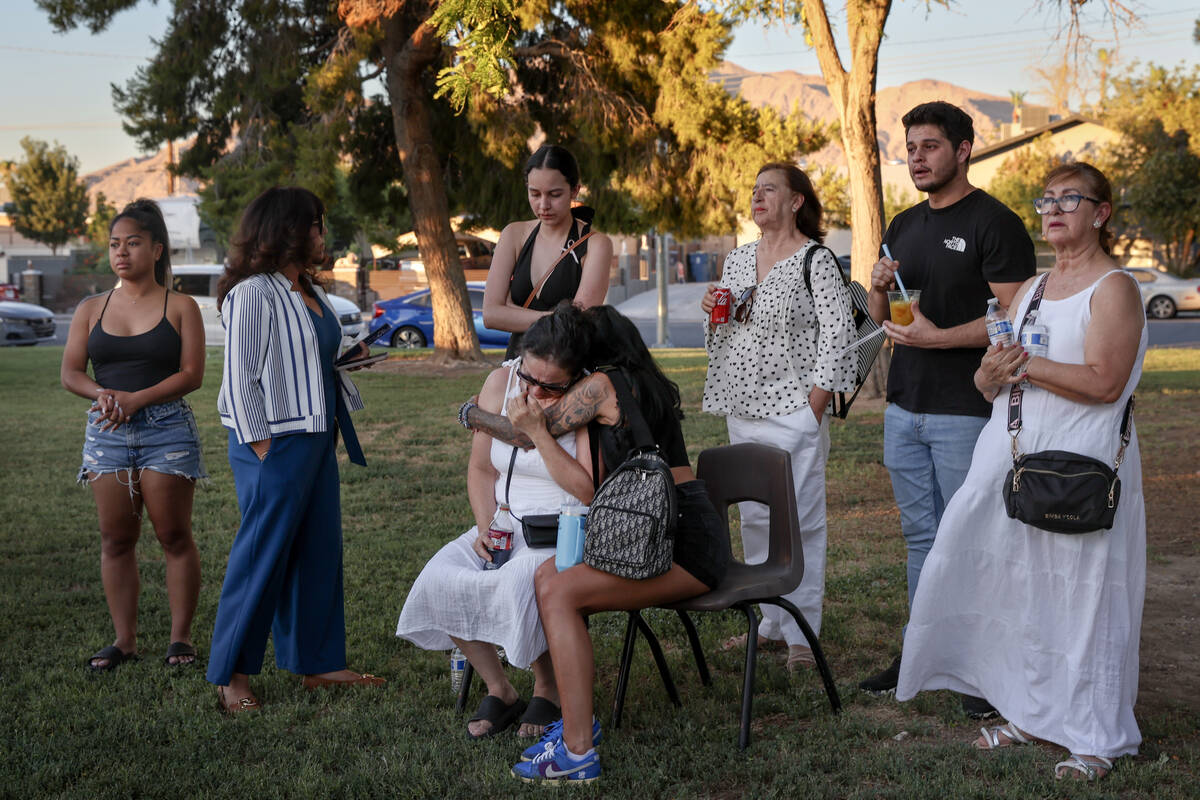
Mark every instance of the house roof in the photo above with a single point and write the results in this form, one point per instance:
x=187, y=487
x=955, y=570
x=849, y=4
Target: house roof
x=1027, y=136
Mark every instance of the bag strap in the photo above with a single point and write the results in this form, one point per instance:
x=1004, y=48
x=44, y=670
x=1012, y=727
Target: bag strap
x=642, y=437
x=546, y=277
x=841, y=405
x=1016, y=392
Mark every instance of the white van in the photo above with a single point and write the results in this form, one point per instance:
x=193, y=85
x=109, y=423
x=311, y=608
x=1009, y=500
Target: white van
x=200, y=281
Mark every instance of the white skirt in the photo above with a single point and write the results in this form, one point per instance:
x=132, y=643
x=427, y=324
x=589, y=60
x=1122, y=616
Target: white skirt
x=455, y=596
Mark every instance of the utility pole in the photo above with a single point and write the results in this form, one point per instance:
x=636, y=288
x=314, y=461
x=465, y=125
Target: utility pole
x=661, y=267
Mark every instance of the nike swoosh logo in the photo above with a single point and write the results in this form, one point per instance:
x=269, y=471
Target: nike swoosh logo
x=551, y=772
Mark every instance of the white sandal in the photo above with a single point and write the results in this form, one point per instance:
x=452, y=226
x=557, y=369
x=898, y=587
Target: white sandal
x=1087, y=769
x=992, y=735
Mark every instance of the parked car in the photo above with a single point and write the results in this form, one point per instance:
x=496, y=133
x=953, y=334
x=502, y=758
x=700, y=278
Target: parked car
x=25, y=323
x=410, y=319
x=473, y=253
x=1164, y=294
x=200, y=281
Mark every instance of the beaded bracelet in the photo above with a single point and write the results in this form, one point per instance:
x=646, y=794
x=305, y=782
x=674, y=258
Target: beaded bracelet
x=463, y=411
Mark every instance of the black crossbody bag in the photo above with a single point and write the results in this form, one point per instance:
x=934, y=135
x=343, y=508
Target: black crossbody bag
x=1057, y=490
x=539, y=530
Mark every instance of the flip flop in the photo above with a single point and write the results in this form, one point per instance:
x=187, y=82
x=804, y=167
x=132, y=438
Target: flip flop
x=114, y=655
x=540, y=712
x=799, y=657
x=180, y=650
x=492, y=709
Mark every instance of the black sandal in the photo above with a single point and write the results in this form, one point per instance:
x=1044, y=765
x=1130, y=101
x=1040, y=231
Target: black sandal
x=180, y=650
x=541, y=712
x=114, y=655
x=492, y=709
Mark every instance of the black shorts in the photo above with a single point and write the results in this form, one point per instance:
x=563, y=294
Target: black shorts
x=701, y=538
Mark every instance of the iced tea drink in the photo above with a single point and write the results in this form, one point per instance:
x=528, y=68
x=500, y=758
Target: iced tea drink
x=900, y=308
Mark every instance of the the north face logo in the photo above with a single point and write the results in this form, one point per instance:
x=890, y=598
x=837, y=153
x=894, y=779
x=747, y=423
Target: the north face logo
x=956, y=243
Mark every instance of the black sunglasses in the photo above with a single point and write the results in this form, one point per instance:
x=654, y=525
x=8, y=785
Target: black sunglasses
x=550, y=388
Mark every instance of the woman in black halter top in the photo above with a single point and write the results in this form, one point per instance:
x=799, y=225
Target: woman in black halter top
x=539, y=262
x=141, y=448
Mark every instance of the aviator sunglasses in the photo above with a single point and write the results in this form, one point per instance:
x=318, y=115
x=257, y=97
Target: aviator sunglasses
x=742, y=306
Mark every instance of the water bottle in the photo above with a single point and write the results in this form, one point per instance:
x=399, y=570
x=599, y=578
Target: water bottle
x=568, y=550
x=458, y=666
x=999, y=326
x=1035, y=337
x=500, y=538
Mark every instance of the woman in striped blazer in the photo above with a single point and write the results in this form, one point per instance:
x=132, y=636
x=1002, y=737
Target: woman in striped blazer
x=284, y=404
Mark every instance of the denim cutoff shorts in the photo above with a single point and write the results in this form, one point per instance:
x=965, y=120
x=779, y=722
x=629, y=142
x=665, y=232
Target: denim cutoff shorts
x=162, y=438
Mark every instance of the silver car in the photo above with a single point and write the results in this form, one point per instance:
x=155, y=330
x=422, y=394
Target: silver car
x=25, y=323
x=1164, y=294
x=200, y=281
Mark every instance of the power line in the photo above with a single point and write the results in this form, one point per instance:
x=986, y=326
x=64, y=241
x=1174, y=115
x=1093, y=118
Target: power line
x=74, y=53
x=55, y=126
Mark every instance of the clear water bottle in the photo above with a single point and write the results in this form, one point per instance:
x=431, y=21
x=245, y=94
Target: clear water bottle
x=1035, y=337
x=999, y=326
x=458, y=666
x=500, y=538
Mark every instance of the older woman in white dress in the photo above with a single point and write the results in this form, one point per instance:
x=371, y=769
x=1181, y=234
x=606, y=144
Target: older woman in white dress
x=1046, y=625
x=455, y=600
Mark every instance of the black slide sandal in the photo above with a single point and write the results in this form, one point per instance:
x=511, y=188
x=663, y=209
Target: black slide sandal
x=492, y=709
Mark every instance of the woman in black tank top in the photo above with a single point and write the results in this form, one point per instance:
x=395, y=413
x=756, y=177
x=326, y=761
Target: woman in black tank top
x=555, y=257
x=141, y=449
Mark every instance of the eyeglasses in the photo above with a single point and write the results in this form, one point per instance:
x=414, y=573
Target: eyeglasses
x=319, y=224
x=742, y=306
x=1066, y=204
x=555, y=389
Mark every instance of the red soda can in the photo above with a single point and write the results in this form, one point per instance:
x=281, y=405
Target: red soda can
x=722, y=300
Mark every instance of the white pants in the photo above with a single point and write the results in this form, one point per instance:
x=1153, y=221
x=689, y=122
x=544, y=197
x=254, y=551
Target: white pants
x=808, y=443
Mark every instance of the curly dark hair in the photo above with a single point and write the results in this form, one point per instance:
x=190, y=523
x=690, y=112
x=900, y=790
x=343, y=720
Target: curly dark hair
x=149, y=217
x=273, y=233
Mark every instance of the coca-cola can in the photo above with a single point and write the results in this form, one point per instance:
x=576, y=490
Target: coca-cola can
x=722, y=300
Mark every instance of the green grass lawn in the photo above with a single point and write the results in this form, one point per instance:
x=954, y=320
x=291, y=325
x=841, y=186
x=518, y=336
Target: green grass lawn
x=146, y=731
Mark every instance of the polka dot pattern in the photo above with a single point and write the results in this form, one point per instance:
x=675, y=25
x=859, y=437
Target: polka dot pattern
x=766, y=366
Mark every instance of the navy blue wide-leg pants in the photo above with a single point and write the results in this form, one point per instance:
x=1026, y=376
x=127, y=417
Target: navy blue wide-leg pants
x=285, y=567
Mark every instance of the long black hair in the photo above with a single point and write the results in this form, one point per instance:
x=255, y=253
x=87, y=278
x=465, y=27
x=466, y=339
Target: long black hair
x=149, y=218
x=616, y=342
x=273, y=233
x=553, y=156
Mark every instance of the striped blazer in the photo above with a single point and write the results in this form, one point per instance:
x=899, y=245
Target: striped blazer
x=271, y=383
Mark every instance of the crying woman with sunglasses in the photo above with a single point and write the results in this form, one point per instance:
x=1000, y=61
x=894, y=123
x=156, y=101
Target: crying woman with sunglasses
x=457, y=600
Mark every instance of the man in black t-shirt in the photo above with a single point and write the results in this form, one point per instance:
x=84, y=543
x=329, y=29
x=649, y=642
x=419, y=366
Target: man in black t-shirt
x=959, y=248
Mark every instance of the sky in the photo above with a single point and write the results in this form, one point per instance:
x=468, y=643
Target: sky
x=56, y=87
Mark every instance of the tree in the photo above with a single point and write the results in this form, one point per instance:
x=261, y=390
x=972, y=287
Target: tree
x=1171, y=95
x=1158, y=179
x=96, y=233
x=624, y=83
x=50, y=203
x=853, y=90
x=1020, y=179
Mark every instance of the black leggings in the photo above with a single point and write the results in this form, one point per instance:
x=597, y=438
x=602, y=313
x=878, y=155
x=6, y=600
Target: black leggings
x=701, y=543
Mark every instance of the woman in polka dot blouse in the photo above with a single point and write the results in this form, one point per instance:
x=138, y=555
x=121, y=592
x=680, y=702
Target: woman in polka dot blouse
x=774, y=367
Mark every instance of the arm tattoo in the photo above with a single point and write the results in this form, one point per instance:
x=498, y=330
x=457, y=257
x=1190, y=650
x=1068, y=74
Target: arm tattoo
x=498, y=427
x=578, y=407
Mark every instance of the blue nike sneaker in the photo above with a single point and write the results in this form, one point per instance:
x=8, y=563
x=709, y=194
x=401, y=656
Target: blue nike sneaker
x=557, y=765
x=552, y=735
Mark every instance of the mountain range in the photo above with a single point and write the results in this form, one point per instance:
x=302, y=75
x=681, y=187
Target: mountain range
x=145, y=176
